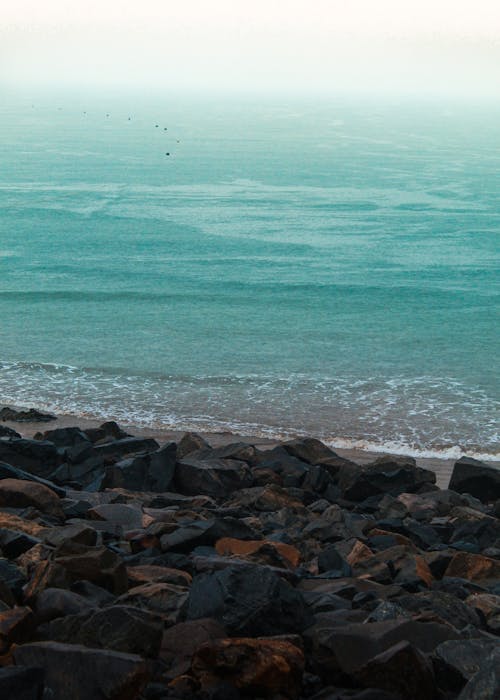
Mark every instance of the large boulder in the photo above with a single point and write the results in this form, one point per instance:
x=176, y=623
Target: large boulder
x=485, y=684
x=152, y=471
x=76, y=672
x=21, y=683
x=9, y=472
x=26, y=415
x=96, y=564
x=212, y=477
x=248, y=600
x=117, y=449
x=180, y=642
x=392, y=475
x=16, y=493
x=477, y=478
x=34, y=456
x=264, y=668
x=74, y=443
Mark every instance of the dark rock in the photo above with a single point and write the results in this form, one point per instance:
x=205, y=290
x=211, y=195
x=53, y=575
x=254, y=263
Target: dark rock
x=180, y=642
x=30, y=415
x=15, y=625
x=190, y=442
x=473, y=567
x=96, y=595
x=330, y=560
x=21, y=683
x=152, y=471
x=204, y=533
x=6, y=432
x=402, y=670
x=34, y=456
x=386, y=475
x=119, y=627
x=16, y=493
x=442, y=605
x=73, y=671
x=485, y=684
x=266, y=668
x=13, y=543
x=52, y=603
x=248, y=600
x=213, y=477
x=9, y=472
x=477, y=478
x=457, y=661
x=12, y=579
x=165, y=600
x=81, y=533
x=96, y=564
x=129, y=517
x=125, y=446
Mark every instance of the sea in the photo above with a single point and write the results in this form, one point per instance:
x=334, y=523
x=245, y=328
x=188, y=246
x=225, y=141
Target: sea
x=268, y=266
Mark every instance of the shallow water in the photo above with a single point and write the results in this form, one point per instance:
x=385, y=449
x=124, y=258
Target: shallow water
x=327, y=268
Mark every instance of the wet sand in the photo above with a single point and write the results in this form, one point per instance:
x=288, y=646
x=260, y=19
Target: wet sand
x=442, y=467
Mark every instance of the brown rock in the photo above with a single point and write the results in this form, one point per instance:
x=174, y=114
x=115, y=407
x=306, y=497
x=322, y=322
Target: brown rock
x=487, y=603
x=73, y=671
x=180, y=642
x=267, y=498
x=246, y=548
x=96, y=564
x=402, y=670
x=400, y=539
x=149, y=573
x=46, y=574
x=163, y=599
x=359, y=553
x=9, y=521
x=474, y=567
x=15, y=625
x=16, y=493
x=258, y=667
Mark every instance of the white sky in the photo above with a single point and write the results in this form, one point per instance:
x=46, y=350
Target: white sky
x=422, y=46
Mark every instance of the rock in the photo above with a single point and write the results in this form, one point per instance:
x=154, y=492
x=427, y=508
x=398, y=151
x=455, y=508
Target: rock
x=402, y=670
x=266, y=668
x=473, y=567
x=21, y=683
x=15, y=493
x=125, y=446
x=105, y=432
x=152, y=471
x=248, y=600
x=165, y=600
x=52, y=603
x=439, y=604
x=149, y=573
x=258, y=550
x=29, y=415
x=46, y=574
x=6, y=432
x=213, y=477
x=96, y=564
x=13, y=543
x=80, y=533
x=386, y=475
x=457, y=661
x=190, y=442
x=12, y=580
x=15, y=625
x=8, y=472
x=485, y=684
x=330, y=560
x=129, y=517
x=180, y=642
x=119, y=627
x=266, y=499
x=73, y=671
x=34, y=456
x=477, y=478
x=311, y=451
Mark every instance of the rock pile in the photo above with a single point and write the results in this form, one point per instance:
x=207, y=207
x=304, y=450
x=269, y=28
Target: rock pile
x=130, y=570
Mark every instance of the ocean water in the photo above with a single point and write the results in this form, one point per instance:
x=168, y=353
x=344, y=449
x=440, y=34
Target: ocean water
x=325, y=267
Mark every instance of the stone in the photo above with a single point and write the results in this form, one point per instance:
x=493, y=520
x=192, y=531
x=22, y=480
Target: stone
x=180, y=642
x=402, y=670
x=150, y=573
x=6, y=432
x=457, y=661
x=28, y=415
x=485, y=684
x=52, y=603
x=311, y=451
x=15, y=493
x=330, y=560
x=190, y=442
x=266, y=668
x=15, y=625
x=80, y=533
x=213, y=477
x=284, y=554
x=13, y=543
x=266, y=499
x=439, y=604
x=390, y=475
x=248, y=600
x=96, y=564
x=12, y=580
x=73, y=671
x=9, y=472
x=21, y=683
x=476, y=478
x=163, y=599
x=119, y=627
x=129, y=517
x=117, y=449
x=473, y=567
x=152, y=471
x=34, y=456
x=45, y=574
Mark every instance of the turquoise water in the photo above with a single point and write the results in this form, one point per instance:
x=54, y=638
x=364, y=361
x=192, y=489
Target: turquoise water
x=328, y=268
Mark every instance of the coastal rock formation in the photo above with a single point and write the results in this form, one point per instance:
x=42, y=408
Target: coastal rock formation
x=135, y=571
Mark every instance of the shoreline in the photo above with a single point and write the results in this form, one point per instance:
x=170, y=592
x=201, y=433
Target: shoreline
x=441, y=466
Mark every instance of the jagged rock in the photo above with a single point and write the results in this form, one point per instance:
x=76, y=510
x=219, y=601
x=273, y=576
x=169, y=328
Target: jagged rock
x=149, y=573
x=53, y=603
x=29, y=415
x=386, y=475
x=180, y=642
x=96, y=564
x=281, y=554
x=203, y=532
x=457, y=661
x=401, y=669
x=125, y=446
x=266, y=499
x=129, y=517
x=119, y=627
x=46, y=574
x=259, y=667
x=105, y=432
x=477, y=478
x=313, y=451
x=12, y=580
x=73, y=671
x=81, y=533
x=485, y=684
x=248, y=600
x=441, y=605
x=21, y=683
x=213, y=477
x=152, y=471
x=330, y=560
x=6, y=432
x=15, y=493
x=14, y=543
x=190, y=442
x=164, y=599
x=34, y=456
x=15, y=625
x=9, y=472
x=473, y=567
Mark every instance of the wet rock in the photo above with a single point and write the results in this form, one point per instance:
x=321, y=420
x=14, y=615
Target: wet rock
x=248, y=600
x=96, y=564
x=119, y=627
x=213, y=477
x=73, y=671
x=29, y=415
x=258, y=667
x=21, y=683
x=477, y=478
x=15, y=493
x=402, y=670
x=34, y=456
x=181, y=641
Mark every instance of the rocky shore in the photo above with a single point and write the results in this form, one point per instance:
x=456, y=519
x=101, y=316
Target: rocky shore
x=134, y=569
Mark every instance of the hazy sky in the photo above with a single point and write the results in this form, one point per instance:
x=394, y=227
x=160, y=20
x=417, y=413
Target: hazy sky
x=422, y=46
